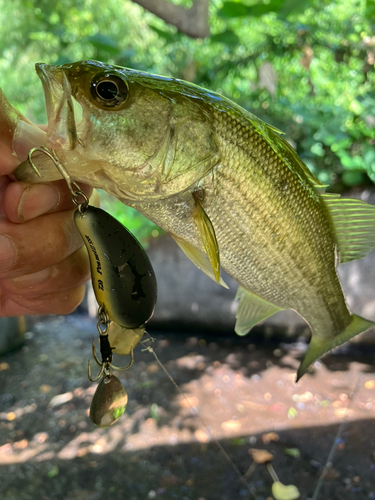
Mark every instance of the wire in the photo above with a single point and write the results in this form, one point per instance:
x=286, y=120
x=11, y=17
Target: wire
x=241, y=478
x=334, y=445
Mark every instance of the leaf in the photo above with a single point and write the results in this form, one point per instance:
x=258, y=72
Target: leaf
x=234, y=9
x=292, y=412
x=168, y=37
x=62, y=60
x=270, y=436
x=228, y=37
x=238, y=441
x=293, y=7
x=54, y=471
x=154, y=411
x=284, y=492
x=260, y=9
x=351, y=162
x=352, y=177
x=104, y=43
x=370, y=9
x=293, y=452
x=261, y=456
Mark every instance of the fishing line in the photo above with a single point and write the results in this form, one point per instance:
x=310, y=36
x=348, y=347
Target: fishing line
x=328, y=463
x=194, y=412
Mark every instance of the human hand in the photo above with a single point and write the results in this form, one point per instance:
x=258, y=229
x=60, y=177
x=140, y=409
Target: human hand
x=43, y=263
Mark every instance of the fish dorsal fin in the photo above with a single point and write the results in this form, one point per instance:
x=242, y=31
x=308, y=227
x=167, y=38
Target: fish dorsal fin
x=198, y=258
x=284, y=151
x=354, y=223
x=251, y=310
x=208, y=237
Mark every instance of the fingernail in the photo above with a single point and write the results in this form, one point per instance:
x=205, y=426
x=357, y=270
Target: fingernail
x=37, y=200
x=8, y=253
x=31, y=280
x=26, y=136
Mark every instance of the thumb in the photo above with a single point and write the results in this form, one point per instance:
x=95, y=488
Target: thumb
x=17, y=136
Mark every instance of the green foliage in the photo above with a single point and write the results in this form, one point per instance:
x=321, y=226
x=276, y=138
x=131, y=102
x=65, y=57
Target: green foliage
x=305, y=66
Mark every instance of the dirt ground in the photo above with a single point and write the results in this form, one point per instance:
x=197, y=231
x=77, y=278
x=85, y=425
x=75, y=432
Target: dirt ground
x=242, y=389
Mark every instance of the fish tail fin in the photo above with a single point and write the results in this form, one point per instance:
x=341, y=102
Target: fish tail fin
x=319, y=346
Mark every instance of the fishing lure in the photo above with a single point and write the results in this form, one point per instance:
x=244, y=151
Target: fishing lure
x=125, y=288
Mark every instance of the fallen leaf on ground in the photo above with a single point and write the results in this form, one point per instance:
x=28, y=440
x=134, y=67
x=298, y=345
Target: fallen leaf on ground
x=284, y=492
x=293, y=452
x=270, y=436
x=45, y=388
x=60, y=399
x=261, y=456
x=170, y=480
x=331, y=473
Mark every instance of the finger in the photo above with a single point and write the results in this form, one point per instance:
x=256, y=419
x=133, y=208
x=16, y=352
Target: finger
x=65, y=275
x=4, y=182
x=8, y=120
x=38, y=244
x=28, y=135
x=51, y=303
x=24, y=201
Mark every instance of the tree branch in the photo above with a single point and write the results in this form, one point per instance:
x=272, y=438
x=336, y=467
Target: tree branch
x=193, y=22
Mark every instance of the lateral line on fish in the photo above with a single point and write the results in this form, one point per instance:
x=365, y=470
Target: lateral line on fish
x=194, y=412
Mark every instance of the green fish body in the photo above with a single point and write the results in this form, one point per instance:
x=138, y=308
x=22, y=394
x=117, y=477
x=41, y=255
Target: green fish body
x=226, y=186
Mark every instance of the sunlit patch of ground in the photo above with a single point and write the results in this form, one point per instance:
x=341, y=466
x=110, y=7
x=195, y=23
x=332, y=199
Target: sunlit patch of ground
x=236, y=392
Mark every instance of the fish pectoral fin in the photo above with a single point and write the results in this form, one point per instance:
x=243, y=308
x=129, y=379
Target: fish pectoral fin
x=199, y=259
x=319, y=346
x=208, y=237
x=354, y=223
x=251, y=310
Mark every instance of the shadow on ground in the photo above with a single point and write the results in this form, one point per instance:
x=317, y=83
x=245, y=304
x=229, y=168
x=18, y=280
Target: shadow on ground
x=244, y=391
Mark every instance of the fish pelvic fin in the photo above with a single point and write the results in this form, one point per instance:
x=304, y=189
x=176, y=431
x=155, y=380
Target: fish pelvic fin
x=251, y=310
x=354, y=224
x=208, y=236
x=319, y=346
x=199, y=259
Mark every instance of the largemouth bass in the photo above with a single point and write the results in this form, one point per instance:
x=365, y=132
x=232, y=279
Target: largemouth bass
x=225, y=185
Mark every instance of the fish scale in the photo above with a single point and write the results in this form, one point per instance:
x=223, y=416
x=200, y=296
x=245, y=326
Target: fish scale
x=226, y=186
x=295, y=240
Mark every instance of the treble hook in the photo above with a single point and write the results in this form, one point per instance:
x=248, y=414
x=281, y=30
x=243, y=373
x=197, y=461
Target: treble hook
x=74, y=189
x=106, y=365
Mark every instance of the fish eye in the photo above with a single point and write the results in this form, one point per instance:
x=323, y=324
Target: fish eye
x=109, y=90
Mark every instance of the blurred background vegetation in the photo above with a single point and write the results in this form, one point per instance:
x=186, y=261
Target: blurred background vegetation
x=305, y=66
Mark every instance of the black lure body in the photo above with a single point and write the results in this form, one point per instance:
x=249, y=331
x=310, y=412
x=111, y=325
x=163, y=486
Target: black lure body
x=122, y=275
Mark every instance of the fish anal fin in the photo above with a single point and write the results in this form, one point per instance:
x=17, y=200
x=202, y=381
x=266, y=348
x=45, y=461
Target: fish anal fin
x=199, y=259
x=354, y=224
x=208, y=237
x=319, y=346
x=251, y=310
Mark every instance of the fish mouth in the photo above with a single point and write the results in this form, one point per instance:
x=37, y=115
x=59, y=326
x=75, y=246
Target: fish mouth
x=65, y=129
x=64, y=113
